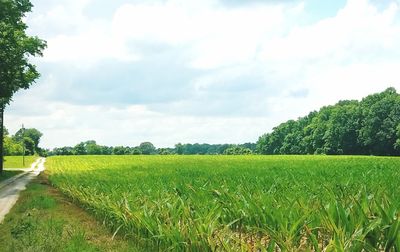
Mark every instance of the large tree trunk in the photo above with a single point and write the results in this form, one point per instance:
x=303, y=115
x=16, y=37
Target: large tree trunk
x=1, y=137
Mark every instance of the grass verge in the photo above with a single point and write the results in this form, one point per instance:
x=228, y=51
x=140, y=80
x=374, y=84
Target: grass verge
x=8, y=174
x=44, y=220
x=16, y=161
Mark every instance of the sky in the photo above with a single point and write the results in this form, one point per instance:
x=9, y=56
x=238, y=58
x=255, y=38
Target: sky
x=209, y=71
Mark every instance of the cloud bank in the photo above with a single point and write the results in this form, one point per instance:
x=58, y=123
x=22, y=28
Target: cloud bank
x=200, y=71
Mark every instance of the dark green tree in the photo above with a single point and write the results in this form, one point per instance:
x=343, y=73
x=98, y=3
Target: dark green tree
x=179, y=148
x=381, y=114
x=370, y=126
x=16, y=48
x=33, y=134
x=136, y=151
x=29, y=146
x=165, y=151
x=237, y=150
x=92, y=148
x=121, y=150
x=147, y=148
x=79, y=149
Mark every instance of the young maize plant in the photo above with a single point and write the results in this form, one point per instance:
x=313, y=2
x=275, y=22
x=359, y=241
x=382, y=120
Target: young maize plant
x=239, y=203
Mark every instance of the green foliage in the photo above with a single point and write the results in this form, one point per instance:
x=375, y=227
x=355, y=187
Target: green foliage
x=348, y=127
x=239, y=203
x=147, y=148
x=29, y=146
x=16, y=47
x=237, y=150
x=136, y=151
x=397, y=144
x=79, y=149
x=381, y=117
x=165, y=151
x=120, y=150
x=28, y=138
x=179, y=148
x=92, y=148
x=208, y=149
x=11, y=147
x=33, y=134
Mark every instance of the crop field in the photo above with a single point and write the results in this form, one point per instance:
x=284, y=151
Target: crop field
x=16, y=161
x=231, y=203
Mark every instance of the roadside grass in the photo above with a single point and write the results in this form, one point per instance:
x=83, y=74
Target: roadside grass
x=16, y=161
x=44, y=220
x=8, y=174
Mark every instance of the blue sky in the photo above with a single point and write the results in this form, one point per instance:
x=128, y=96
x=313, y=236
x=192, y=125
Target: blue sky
x=216, y=71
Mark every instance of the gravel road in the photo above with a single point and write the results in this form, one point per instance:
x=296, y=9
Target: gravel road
x=10, y=189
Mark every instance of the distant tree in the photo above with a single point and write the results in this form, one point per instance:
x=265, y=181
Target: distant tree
x=29, y=146
x=136, y=151
x=147, y=148
x=63, y=151
x=213, y=149
x=121, y=150
x=107, y=150
x=251, y=146
x=16, y=48
x=33, y=134
x=43, y=152
x=237, y=150
x=223, y=147
x=92, y=148
x=165, y=151
x=79, y=149
x=179, y=148
x=12, y=148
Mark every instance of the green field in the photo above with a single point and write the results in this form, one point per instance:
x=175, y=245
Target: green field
x=198, y=203
x=16, y=161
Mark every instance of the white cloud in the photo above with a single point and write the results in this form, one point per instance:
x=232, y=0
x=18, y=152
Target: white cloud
x=254, y=66
x=216, y=36
x=87, y=49
x=347, y=56
x=66, y=124
x=74, y=38
x=356, y=28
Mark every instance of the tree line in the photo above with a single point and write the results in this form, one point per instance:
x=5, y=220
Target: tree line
x=367, y=127
x=147, y=148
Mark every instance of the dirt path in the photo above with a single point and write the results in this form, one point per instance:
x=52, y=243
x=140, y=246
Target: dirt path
x=10, y=189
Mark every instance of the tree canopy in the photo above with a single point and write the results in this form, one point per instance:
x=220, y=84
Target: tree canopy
x=28, y=138
x=147, y=148
x=16, y=48
x=370, y=126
